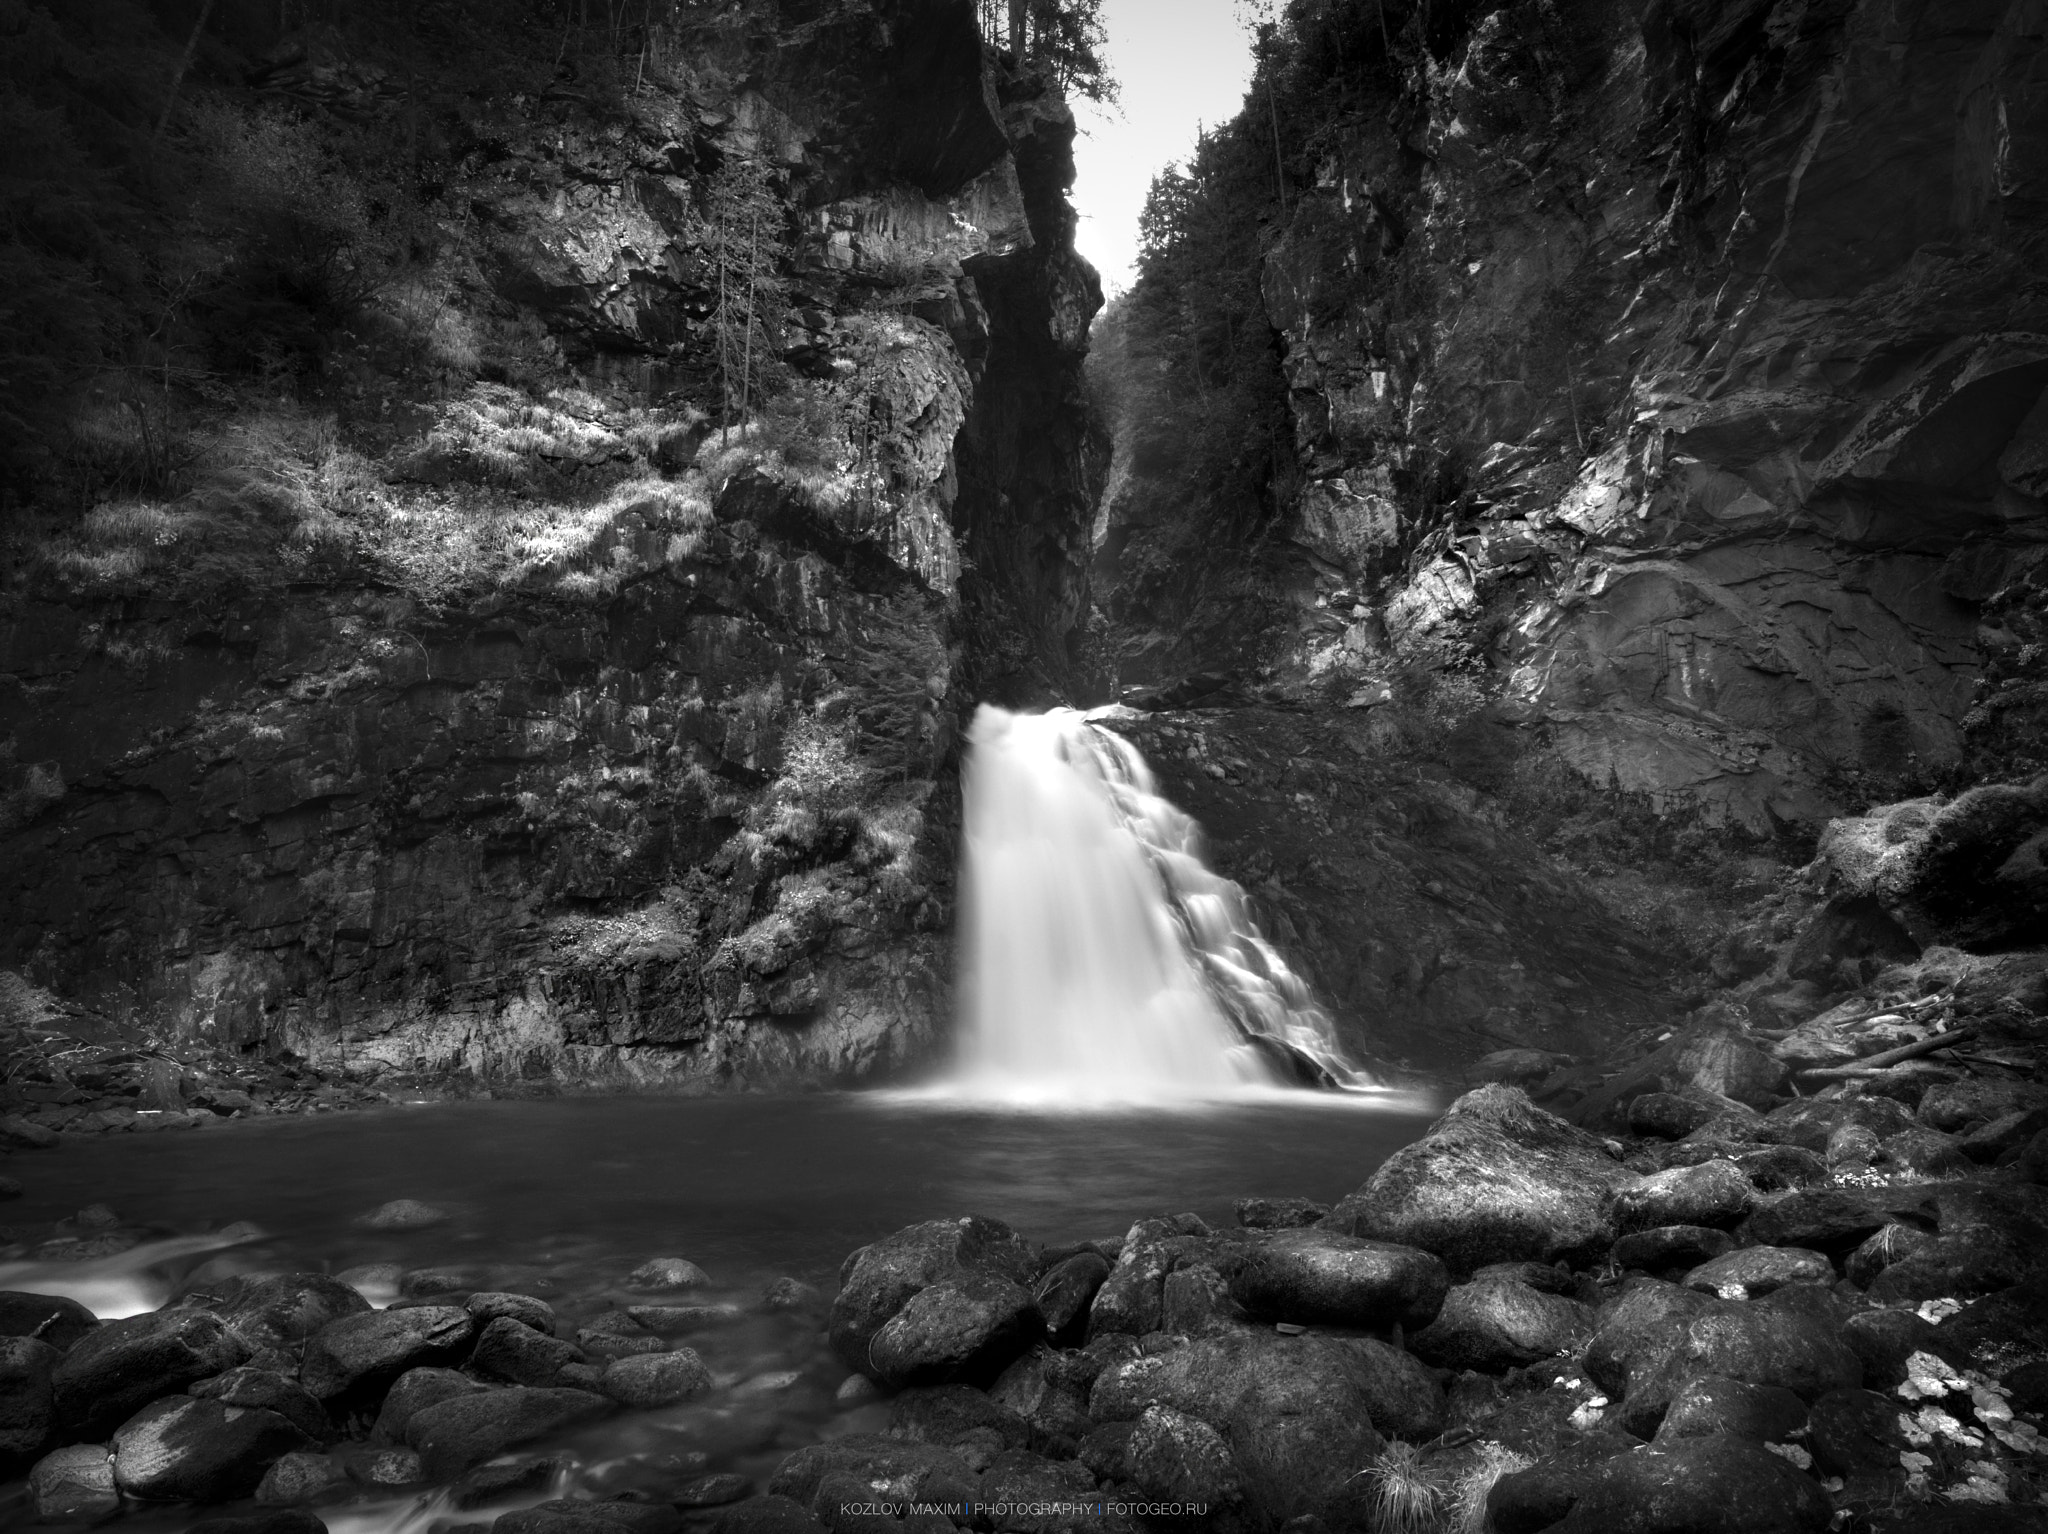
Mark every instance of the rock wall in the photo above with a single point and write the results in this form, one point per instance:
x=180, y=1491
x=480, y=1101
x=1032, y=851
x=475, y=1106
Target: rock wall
x=497, y=719
x=1677, y=368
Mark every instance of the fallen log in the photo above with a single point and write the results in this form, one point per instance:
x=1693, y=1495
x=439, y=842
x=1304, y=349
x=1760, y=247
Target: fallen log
x=1872, y=1064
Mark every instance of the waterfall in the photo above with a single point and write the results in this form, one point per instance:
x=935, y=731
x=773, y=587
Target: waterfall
x=1101, y=959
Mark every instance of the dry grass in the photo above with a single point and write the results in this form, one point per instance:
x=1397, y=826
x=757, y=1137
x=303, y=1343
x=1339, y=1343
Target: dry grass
x=1403, y=1498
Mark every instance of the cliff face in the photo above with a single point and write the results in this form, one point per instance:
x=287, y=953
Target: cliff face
x=474, y=704
x=1674, y=370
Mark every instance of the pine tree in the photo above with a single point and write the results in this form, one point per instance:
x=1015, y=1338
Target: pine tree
x=749, y=244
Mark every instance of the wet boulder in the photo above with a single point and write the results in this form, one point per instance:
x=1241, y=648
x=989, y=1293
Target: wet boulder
x=1756, y=1345
x=1671, y=1115
x=1173, y=1457
x=415, y=1390
x=1954, y=1105
x=1883, y=1340
x=74, y=1484
x=301, y=1477
x=967, y=1326
x=46, y=1317
x=1321, y=1276
x=1496, y=1323
x=1717, y=1485
x=1712, y=1404
x=271, y=1391
x=1755, y=1270
x=118, y=1368
x=660, y=1275
x=403, y=1214
x=648, y=1380
x=1810, y=1122
x=1297, y=1412
x=1672, y=1246
x=1636, y=1330
x=767, y=1515
x=512, y=1351
x=366, y=1352
x=1496, y=1179
x=1034, y=1488
x=1196, y=1300
x=1836, y=1220
x=1064, y=1291
x=28, y=1406
x=1132, y=1297
x=185, y=1450
x=284, y=1310
x=453, y=1434
x=490, y=1305
x=1712, y=1193
x=877, y=1281
x=1041, y=1391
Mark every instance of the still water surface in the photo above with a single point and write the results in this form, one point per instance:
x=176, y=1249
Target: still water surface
x=564, y=1197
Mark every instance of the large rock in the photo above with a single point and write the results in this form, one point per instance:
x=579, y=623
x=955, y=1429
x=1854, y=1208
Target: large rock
x=28, y=1406
x=453, y=1434
x=1672, y=1246
x=1496, y=1179
x=513, y=1351
x=967, y=1326
x=1321, y=1276
x=1755, y=1270
x=656, y=1379
x=283, y=1311
x=115, y=1370
x=367, y=1352
x=1173, y=1457
x=1132, y=1298
x=47, y=1317
x=1712, y=1404
x=1750, y=1343
x=1836, y=1220
x=1066, y=1290
x=185, y=1450
x=1497, y=1323
x=877, y=1281
x=1717, y=1485
x=565, y=1516
x=74, y=1484
x=1298, y=1413
x=271, y=1391
x=414, y=1391
x=1713, y=1193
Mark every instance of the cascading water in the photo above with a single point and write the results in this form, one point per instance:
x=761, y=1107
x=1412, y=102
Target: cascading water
x=1101, y=959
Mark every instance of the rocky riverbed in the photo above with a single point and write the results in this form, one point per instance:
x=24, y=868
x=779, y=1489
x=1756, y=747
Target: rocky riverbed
x=1689, y=1313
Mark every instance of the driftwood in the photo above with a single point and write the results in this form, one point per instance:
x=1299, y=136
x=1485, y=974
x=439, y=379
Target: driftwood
x=1872, y=1064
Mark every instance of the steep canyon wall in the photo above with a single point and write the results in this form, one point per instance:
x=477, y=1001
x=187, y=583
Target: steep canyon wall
x=1673, y=370
x=473, y=704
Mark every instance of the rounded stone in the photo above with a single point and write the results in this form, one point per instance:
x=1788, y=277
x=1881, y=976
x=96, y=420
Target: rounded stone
x=656, y=1379
x=1321, y=1276
x=404, y=1214
x=1755, y=1270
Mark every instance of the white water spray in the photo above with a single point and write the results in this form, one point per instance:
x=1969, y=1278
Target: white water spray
x=1102, y=960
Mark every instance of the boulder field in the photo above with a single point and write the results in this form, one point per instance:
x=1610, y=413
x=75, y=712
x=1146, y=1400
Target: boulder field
x=1515, y=1324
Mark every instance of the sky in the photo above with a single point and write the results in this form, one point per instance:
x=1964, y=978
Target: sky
x=1182, y=63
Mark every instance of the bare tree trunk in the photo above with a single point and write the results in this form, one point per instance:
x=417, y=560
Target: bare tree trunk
x=724, y=328
x=184, y=63
x=753, y=286
x=1018, y=10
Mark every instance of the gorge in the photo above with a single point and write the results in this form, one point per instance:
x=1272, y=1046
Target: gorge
x=540, y=535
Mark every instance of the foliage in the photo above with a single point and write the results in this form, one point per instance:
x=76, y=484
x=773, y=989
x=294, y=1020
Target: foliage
x=749, y=245
x=1063, y=38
